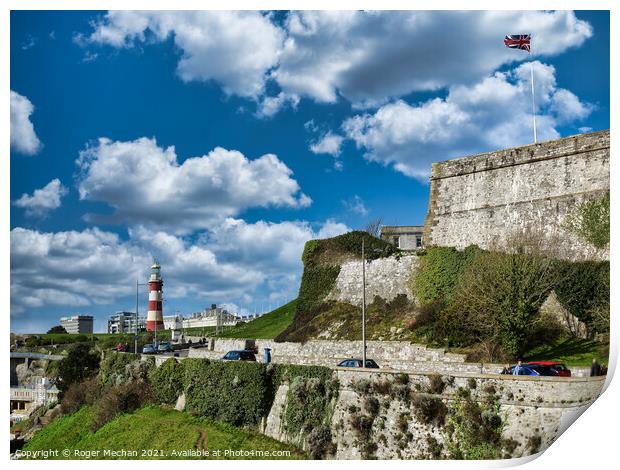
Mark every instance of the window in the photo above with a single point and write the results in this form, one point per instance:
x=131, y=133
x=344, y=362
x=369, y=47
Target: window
x=396, y=241
x=418, y=241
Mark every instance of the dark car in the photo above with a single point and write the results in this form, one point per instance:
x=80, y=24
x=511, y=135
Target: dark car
x=551, y=368
x=370, y=364
x=244, y=355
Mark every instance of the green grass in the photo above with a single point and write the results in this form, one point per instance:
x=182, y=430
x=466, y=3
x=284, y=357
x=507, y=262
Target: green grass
x=571, y=351
x=267, y=326
x=152, y=428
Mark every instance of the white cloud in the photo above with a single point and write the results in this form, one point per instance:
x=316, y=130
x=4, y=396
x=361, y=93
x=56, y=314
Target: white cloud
x=70, y=268
x=145, y=184
x=271, y=105
x=230, y=262
x=366, y=57
x=369, y=57
x=356, y=205
x=328, y=143
x=273, y=246
x=493, y=113
x=43, y=200
x=23, y=137
x=234, y=48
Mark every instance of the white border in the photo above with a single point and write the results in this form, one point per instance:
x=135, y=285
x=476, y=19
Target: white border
x=591, y=443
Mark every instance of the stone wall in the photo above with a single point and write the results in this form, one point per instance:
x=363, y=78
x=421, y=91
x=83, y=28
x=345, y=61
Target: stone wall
x=520, y=193
x=399, y=355
x=385, y=277
x=531, y=408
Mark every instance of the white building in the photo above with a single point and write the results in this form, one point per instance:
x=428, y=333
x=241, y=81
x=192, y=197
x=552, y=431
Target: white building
x=82, y=324
x=125, y=322
x=405, y=237
x=211, y=317
x=173, y=322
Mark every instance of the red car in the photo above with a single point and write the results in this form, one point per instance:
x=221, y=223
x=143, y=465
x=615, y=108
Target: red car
x=560, y=369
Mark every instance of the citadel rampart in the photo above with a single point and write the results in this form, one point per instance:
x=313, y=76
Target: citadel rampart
x=493, y=198
x=534, y=410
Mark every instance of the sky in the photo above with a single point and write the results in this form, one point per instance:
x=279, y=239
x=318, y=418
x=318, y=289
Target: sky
x=218, y=143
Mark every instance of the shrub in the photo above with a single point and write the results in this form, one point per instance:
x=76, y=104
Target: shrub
x=474, y=429
x=429, y=410
x=79, y=365
x=115, y=369
x=402, y=422
x=382, y=387
x=320, y=443
x=499, y=298
x=80, y=394
x=362, y=386
x=371, y=406
x=590, y=221
x=583, y=287
x=119, y=399
x=167, y=381
x=57, y=329
x=436, y=384
x=308, y=404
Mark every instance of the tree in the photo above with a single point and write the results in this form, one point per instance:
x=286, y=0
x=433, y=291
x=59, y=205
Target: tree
x=80, y=364
x=373, y=227
x=56, y=329
x=499, y=299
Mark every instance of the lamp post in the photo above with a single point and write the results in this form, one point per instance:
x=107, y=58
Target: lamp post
x=135, y=340
x=363, y=307
x=376, y=250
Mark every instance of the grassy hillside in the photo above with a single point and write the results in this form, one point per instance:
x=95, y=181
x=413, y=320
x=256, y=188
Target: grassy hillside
x=268, y=326
x=154, y=428
x=314, y=315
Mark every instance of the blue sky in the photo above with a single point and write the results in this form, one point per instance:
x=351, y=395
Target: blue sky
x=220, y=142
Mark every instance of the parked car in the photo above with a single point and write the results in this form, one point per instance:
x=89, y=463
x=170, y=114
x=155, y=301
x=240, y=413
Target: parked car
x=149, y=349
x=525, y=370
x=165, y=346
x=552, y=368
x=244, y=355
x=120, y=347
x=370, y=364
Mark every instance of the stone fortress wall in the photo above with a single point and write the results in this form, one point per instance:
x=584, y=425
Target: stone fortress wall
x=493, y=198
x=393, y=355
x=533, y=408
x=385, y=277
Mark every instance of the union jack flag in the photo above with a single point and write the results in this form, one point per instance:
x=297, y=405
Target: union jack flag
x=518, y=41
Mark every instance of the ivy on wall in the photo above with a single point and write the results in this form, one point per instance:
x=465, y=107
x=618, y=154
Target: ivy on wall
x=439, y=273
x=167, y=381
x=322, y=260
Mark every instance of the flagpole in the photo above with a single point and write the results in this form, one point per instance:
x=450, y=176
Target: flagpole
x=533, y=101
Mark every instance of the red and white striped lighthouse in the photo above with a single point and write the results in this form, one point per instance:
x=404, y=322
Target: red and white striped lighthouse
x=155, y=317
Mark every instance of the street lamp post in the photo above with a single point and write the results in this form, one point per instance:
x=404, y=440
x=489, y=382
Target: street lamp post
x=135, y=340
x=376, y=250
x=363, y=307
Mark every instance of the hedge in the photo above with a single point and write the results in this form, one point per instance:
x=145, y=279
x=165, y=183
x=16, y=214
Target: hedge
x=167, y=381
x=234, y=392
x=113, y=368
